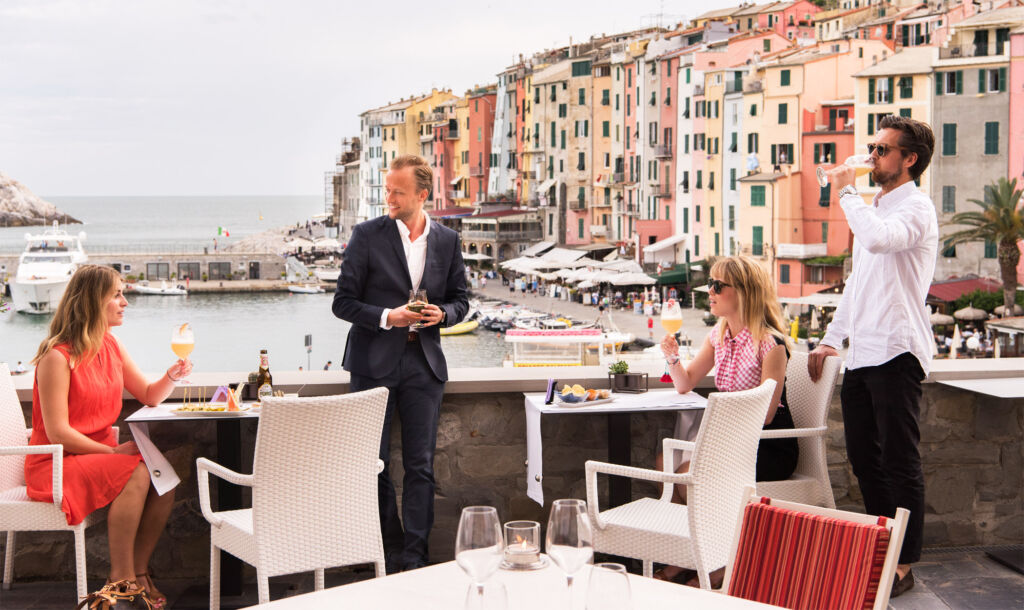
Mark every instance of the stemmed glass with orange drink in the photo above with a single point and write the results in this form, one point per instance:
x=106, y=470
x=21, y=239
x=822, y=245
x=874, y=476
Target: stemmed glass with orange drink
x=671, y=321
x=183, y=341
x=861, y=165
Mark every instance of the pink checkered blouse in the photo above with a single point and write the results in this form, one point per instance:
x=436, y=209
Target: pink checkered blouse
x=738, y=359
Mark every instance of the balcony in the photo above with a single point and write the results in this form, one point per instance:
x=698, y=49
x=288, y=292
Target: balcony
x=969, y=50
x=754, y=86
x=800, y=251
x=477, y=171
x=663, y=152
x=534, y=201
x=599, y=230
x=577, y=204
x=698, y=90
x=528, y=174
x=733, y=87
x=618, y=177
x=453, y=134
x=426, y=137
x=529, y=235
x=437, y=115
x=658, y=190
x=459, y=194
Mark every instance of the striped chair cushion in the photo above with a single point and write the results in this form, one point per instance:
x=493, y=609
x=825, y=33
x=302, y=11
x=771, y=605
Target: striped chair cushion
x=797, y=560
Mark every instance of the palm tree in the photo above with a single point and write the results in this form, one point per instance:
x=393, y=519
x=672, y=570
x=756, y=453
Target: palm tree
x=1000, y=220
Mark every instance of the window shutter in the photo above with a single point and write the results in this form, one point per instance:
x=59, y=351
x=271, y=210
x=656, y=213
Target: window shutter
x=959, y=82
x=871, y=124
x=938, y=82
x=1002, y=80
x=773, y=154
x=892, y=92
x=871, y=91
x=826, y=196
x=905, y=112
x=817, y=153
x=981, y=80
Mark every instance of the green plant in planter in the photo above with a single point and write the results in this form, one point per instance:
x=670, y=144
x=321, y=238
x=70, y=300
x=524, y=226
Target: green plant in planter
x=618, y=368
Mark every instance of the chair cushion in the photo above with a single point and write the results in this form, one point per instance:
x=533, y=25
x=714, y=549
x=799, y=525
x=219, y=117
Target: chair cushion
x=798, y=560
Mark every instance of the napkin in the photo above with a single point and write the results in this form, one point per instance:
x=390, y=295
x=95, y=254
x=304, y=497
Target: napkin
x=161, y=473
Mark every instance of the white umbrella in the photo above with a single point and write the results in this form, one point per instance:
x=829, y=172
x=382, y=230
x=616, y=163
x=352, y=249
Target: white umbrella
x=956, y=342
x=327, y=243
x=941, y=319
x=633, y=279
x=970, y=313
x=814, y=318
x=995, y=352
x=585, y=284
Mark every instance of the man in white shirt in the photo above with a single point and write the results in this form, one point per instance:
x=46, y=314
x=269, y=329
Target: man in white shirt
x=883, y=314
x=386, y=259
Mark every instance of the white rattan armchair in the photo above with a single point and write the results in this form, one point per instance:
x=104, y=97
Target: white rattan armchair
x=314, y=491
x=18, y=513
x=808, y=403
x=697, y=535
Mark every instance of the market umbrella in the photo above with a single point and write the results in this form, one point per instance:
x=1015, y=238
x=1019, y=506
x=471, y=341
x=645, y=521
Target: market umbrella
x=814, y=319
x=633, y=279
x=956, y=342
x=941, y=319
x=1016, y=310
x=970, y=313
x=327, y=243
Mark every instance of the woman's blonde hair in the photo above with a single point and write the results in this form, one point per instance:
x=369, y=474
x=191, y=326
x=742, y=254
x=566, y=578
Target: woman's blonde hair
x=759, y=307
x=80, y=320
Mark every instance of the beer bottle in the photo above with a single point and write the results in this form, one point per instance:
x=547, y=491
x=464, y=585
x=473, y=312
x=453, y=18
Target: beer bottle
x=264, y=380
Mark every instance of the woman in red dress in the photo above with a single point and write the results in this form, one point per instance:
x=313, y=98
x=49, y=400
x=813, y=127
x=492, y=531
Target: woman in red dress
x=81, y=372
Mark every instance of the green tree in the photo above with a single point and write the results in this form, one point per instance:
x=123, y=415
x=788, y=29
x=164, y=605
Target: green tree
x=1001, y=221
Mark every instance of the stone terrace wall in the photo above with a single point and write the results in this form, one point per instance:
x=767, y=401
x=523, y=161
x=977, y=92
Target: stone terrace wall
x=971, y=445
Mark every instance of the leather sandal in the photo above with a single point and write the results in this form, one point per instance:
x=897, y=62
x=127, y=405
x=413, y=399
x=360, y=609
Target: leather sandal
x=111, y=593
x=145, y=580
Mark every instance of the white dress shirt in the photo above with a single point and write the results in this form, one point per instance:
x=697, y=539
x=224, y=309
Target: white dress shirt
x=882, y=311
x=415, y=258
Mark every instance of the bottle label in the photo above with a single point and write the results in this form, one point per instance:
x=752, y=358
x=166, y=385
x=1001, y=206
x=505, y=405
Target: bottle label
x=264, y=361
x=265, y=391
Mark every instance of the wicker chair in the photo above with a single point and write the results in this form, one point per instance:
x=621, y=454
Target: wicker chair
x=696, y=535
x=18, y=513
x=314, y=491
x=808, y=403
x=801, y=556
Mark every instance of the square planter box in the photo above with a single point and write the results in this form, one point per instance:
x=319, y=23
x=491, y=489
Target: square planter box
x=634, y=383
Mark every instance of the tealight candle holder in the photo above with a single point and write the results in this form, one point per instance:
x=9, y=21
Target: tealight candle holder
x=522, y=546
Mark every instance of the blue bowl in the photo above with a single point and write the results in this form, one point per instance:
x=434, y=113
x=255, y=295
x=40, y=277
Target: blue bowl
x=571, y=398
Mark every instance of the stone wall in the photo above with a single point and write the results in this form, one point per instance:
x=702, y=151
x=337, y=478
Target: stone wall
x=971, y=445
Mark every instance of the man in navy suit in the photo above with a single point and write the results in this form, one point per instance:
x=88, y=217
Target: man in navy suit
x=386, y=258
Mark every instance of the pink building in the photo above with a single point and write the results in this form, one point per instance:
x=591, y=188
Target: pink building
x=481, y=126
x=651, y=231
x=791, y=20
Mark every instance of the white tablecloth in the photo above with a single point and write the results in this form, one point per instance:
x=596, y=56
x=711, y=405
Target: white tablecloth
x=161, y=473
x=444, y=586
x=654, y=400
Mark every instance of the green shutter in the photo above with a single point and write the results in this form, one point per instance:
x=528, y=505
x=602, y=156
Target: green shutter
x=712, y=215
x=757, y=196
x=949, y=139
x=826, y=196
x=959, y=82
x=938, y=83
x=1002, y=80
x=892, y=91
x=605, y=127
x=824, y=232
x=992, y=138
x=981, y=80
x=817, y=153
x=774, y=147
x=784, y=78
x=783, y=114
x=871, y=91
x=757, y=248
x=871, y=124
x=905, y=112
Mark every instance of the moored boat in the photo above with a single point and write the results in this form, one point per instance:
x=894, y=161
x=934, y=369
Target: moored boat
x=461, y=328
x=164, y=289
x=45, y=268
x=305, y=289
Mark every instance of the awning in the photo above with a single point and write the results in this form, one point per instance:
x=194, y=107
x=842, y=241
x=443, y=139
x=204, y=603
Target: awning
x=475, y=256
x=820, y=299
x=544, y=186
x=665, y=243
x=562, y=255
x=676, y=275
x=596, y=247
x=457, y=179
x=537, y=248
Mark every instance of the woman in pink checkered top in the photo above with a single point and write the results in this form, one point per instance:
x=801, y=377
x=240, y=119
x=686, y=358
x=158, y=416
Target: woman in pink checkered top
x=746, y=347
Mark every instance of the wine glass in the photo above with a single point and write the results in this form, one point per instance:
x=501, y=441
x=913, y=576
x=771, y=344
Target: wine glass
x=570, y=539
x=417, y=299
x=861, y=164
x=609, y=587
x=671, y=321
x=479, y=548
x=183, y=341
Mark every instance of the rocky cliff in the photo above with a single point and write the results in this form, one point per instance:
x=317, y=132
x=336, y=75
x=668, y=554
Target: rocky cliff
x=20, y=207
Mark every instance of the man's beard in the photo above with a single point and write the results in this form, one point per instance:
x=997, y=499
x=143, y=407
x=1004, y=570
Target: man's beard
x=883, y=179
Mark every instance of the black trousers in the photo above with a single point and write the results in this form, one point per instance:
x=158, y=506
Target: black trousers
x=881, y=412
x=414, y=393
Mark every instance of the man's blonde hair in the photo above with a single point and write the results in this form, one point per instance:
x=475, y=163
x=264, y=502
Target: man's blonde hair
x=420, y=170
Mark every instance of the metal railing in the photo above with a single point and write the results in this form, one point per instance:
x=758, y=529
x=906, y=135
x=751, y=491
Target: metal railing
x=733, y=86
x=476, y=171
x=658, y=190
x=453, y=134
x=618, y=177
x=969, y=50
x=663, y=152
x=577, y=204
x=460, y=194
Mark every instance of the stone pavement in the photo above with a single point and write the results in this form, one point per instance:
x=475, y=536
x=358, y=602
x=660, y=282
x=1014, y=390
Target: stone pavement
x=947, y=579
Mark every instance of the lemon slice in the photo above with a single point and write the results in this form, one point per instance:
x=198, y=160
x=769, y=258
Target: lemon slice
x=183, y=328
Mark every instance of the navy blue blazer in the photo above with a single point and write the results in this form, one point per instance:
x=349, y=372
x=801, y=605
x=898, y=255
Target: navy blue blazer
x=375, y=275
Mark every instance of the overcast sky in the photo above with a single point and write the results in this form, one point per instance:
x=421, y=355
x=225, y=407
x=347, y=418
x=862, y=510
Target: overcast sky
x=228, y=97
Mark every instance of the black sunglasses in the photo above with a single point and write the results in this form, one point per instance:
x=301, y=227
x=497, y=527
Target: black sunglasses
x=882, y=149
x=716, y=286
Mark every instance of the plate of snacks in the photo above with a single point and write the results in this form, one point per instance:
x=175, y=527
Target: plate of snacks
x=577, y=395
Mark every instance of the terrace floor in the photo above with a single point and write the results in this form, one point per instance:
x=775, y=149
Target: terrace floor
x=954, y=579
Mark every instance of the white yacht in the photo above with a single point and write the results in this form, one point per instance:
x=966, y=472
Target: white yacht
x=44, y=269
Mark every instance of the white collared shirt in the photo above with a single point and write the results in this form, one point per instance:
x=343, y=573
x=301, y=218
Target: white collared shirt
x=415, y=258
x=882, y=311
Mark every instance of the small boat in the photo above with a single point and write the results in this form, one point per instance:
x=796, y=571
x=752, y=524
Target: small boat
x=305, y=289
x=460, y=329
x=45, y=268
x=164, y=289
x=326, y=274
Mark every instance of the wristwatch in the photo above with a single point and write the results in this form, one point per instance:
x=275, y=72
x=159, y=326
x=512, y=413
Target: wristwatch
x=849, y=189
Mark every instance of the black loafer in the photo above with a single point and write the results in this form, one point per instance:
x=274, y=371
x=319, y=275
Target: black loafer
x=902, y=585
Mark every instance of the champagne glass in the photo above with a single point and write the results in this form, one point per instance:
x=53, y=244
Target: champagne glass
x=861, y=164
x=671, y=321
x=417, y=299
x=609, y=588
x=570, y=538
x=183, y=341
x=479, y=548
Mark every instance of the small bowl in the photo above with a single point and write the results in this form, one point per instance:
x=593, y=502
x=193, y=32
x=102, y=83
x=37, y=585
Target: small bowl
x=570, y=398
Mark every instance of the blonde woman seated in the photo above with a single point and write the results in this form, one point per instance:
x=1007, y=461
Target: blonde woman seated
x=81, y=372
x=746, y=347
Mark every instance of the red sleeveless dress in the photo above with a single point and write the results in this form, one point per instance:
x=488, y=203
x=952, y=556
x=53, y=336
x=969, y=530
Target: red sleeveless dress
x=93, y=480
